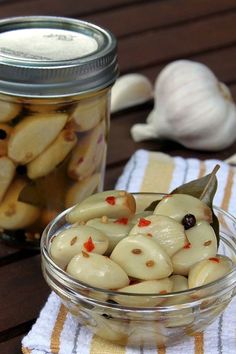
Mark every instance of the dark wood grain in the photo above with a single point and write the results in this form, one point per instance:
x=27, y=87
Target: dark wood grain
x=12, y=346
x=27, y=295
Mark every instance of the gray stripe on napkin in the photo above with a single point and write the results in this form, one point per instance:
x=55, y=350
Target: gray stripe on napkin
x=219, y=344
x=75, y=346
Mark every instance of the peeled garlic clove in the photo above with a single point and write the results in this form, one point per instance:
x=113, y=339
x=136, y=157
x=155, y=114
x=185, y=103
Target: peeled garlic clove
x=113, y=204
x=97, y=270
x=5, y=131
x=179, y=283
x=142, y=258
x=45, y=163
x=14, y=214
x=82, y=189
x=130, y=90
x=33, y=134
x=202, y=244
x=7, y=172
x=8, y=111
x=114, y=229
x=70, y=242
x=166, y=231
x=161, y=286
x=88, y=113
x=209, y=270
x=176, y=206
x=88, y=154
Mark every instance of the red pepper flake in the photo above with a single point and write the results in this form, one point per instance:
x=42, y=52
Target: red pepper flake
x=89, y=245
x=111, y=200
x=123, y=221
x=81, y=159
x=143, y=222
x=163, y=292
x=85, y=254
x=187, y=245
x=214, y=259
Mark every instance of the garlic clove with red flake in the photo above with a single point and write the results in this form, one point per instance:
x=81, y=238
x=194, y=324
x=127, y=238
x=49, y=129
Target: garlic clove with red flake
x=209, y=270
x=113, y=204
x=72, y=241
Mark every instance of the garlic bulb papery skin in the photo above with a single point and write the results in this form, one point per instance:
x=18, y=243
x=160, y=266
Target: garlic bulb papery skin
x=191, y=107
x=130, y=90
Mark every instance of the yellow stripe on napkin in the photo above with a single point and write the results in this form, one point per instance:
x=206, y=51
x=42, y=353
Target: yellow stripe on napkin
x=58, y=327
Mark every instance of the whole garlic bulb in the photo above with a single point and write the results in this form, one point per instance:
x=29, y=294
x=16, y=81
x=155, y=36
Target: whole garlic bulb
x=191, y=107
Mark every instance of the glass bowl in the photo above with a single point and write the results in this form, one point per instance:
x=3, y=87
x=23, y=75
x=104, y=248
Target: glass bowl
x=178, y=314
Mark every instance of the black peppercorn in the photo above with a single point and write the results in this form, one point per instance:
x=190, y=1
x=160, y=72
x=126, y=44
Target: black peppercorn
x=3, y=134
x=188, y=221
x=21, y=170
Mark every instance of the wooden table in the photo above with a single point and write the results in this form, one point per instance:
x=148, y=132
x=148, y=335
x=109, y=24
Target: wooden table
x=150, y=34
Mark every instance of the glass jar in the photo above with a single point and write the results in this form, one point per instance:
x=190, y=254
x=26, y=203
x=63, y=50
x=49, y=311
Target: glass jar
x=54, y=119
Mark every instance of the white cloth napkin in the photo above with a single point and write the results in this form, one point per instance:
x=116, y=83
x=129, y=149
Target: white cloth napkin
x=57, y=331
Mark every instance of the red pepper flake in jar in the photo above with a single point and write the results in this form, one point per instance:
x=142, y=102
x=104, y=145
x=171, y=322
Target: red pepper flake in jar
x=89, y=245
x=163, y=292
x=123, y=221
x=143, y=222
x=149, y=234
x=214, y=259
x=187, y=245
x=81, y=159
x=111, y=200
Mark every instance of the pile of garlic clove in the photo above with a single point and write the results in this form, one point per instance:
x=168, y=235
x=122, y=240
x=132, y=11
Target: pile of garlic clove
x=191, y=107
x=109, y=246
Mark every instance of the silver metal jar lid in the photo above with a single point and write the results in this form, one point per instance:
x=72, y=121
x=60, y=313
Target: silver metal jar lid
x=44, y=56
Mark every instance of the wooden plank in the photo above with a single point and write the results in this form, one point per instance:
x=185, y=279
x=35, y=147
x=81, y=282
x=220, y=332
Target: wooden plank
x=12, y=346
x=221, y=62
x=23, y=292
x=140, y=17
x=120, y=136
x=182, y=41
x=58, y=7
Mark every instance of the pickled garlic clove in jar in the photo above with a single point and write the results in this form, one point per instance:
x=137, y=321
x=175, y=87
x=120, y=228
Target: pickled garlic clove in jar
x=8, y=111
x=7, y=172
x=88, y=154
x=98, y=271
x=176, y=206
x=113, y=204
x=86, y=115
x=5, y=132
x=201, y=244
x=72, y=241
x=14, y=214
x=33, y=134
x=209, y=270
x=53, y=155
x=169, y=233
x=80, y=190
x=142, y=258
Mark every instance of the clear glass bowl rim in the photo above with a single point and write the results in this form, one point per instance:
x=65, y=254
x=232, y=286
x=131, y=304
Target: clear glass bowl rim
x=210, y=286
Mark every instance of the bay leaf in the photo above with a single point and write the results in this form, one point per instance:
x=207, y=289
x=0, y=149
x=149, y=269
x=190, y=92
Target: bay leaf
x=203, y=188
